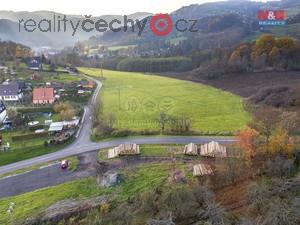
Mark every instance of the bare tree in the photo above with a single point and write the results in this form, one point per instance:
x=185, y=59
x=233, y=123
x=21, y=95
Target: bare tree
x=163, y=119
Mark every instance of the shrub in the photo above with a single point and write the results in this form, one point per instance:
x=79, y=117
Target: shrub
x=279, y=167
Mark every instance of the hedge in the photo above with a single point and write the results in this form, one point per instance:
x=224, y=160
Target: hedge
x=27, y=136
x=36, y=110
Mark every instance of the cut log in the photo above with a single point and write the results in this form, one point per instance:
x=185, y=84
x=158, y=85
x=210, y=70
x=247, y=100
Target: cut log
x=123, y=150
x=213, y=149
x=202, y=170
x=191, y=149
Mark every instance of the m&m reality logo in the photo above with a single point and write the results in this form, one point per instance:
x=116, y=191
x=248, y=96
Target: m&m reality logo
x=271, y=17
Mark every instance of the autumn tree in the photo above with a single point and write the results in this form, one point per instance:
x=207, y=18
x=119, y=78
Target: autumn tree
x=241, y=56
x=64, y=110
x=281, y=143
x=247, y=141
x=263, y=45
x=265, y=121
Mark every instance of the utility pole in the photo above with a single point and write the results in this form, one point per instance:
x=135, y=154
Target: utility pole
x=119, y=90
x=101, y=69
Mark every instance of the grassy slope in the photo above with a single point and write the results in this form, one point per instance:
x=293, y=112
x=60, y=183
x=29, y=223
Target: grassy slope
x=143, y=178
x=144, y=96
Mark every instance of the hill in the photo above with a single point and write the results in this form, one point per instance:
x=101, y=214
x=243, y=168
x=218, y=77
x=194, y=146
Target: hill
x=221, y=24
x=135, y=101
x=9, y=25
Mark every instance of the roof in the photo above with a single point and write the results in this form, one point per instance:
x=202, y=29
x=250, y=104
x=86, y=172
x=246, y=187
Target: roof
x=43, y=93
x=9, y=89
x=2, y=106
x=58, y=126
x=90, y=82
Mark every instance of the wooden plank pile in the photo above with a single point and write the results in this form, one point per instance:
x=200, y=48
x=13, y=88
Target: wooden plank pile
x=191, y=149
x=213, y=149
x=124, y=149
x=202, y=170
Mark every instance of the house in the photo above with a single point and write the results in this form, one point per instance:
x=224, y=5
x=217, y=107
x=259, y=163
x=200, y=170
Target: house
x=43, y=95
x=35, y=63
x=10, y=91
x=88, y=84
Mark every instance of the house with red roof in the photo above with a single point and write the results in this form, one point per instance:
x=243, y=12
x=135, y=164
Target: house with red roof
x=43, y=95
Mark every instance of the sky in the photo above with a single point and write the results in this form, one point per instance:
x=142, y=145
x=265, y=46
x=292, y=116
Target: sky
x=99, y=7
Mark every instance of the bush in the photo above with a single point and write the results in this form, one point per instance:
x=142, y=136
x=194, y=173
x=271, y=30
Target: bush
x=121, y=133
x=279, y=167
x=297, y=158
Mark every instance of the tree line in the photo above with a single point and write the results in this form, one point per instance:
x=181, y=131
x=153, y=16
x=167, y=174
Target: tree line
x=171, y=64
x=266, y=53
x=10, y=50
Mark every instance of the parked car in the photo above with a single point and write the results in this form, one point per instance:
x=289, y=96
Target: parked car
x=64, y=164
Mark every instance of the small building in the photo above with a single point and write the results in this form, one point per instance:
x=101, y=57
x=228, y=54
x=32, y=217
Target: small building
x=62, y=125
x=43, y=96
x=10, y=92
x=35, y=63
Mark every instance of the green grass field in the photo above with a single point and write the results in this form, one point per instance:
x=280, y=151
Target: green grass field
x=120, y=47
x=137, y=100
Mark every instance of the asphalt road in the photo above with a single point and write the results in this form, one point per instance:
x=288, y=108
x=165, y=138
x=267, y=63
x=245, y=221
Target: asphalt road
x=46, y=176
x=83, y=143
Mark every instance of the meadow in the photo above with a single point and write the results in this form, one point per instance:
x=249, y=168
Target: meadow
x=136, y=101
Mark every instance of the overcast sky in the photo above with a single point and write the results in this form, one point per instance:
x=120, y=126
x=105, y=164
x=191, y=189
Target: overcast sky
x=99, y=7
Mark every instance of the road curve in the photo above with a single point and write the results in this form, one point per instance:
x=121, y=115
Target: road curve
x=76, y=150
x=83, y=143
